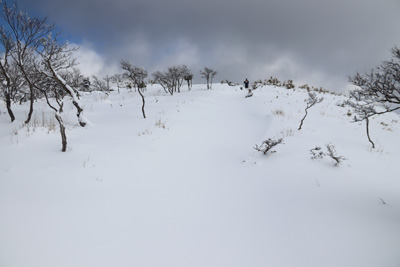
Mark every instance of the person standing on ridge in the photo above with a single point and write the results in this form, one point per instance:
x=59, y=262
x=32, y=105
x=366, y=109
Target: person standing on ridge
x=246, y=84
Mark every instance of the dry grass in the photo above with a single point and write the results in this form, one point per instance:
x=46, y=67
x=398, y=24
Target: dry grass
x=160, y=124
x=278, y=112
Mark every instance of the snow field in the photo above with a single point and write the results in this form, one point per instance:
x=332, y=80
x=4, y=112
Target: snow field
x=185, y=187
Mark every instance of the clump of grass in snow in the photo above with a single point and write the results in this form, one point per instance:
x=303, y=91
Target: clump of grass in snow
x=145, y=132
x=160, y=124
x=278, y=112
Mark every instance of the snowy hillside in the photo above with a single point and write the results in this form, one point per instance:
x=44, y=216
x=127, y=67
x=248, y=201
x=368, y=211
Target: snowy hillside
x=185, y=187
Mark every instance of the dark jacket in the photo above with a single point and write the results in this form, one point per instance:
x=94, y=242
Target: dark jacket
x=246, y=84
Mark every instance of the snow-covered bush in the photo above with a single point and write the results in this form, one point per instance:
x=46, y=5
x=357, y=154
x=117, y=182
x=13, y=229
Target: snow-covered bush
x=273, y=81
x=267, y=145
x=317, y=153
x=289, y=84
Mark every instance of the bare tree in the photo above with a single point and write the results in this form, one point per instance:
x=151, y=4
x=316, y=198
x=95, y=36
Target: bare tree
x=189, y=79
x=10, y=77
x=74, y=78
x=26, y=34
x=108, y=79
x=85, y=84
x=42, y=61
x=162, y=79
x=99, y=85
x=56, y=57
x=118, y=80
x=50, y=88
x=174, y=74
x=137, y=76
x=172, y=79
x=185, y=74
x=311, y=101
x=209, y=75
x=377, y=92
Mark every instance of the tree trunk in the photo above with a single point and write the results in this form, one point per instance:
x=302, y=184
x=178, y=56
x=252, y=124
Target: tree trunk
x=8, y=104
x=302, y=120
x=141, y=94
x=367, y=128
x=62, y=132
x=32, y=98
x=188, y=81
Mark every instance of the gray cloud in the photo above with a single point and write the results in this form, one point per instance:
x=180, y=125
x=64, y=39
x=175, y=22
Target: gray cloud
x=316, y=41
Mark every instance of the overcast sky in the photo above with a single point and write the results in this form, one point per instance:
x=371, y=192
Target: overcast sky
x=319, y=42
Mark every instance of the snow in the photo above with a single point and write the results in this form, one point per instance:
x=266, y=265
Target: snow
x=185, y=187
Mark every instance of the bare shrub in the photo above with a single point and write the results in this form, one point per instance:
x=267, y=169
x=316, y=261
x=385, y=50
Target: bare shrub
x=333, y=155
x=273, y=81
x=267, y=145
x=317, y=153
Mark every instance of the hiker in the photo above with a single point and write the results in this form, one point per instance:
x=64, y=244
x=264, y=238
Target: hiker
x=246, y=83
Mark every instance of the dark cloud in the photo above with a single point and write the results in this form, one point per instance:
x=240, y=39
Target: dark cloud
x=315, y=41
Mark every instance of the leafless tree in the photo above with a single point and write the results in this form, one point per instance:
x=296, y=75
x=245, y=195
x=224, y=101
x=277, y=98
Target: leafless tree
x=185, y=74
x=189, y=79
x=377, y=92
x=99, y=85
x=172, y=79
x=136, y=75
x=209, y=75
x=51, y=88
x=74, y=78
x=45, y=63
x=175, y=76
x=25, y=36
x=11, y=80
x=56, y=57
x=118, y=80
x=85, y=84
x=311, y=101
x=162, y=79
x=108, y=80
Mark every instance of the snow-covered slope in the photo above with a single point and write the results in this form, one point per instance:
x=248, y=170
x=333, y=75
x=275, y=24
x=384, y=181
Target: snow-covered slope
x=185, y=187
